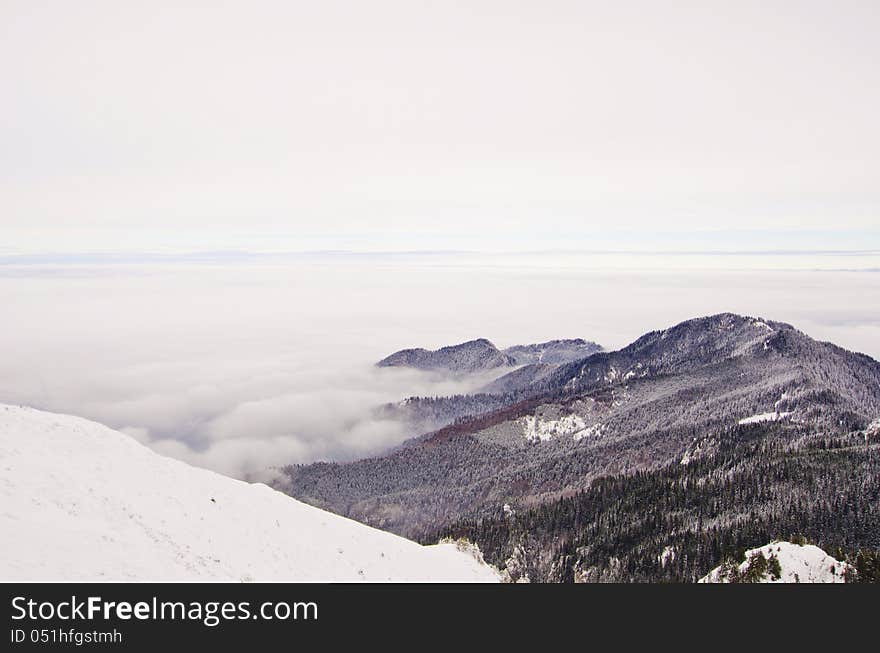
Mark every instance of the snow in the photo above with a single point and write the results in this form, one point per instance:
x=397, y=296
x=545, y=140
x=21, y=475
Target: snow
x=774, y=416
x=81, y=502
x=540, y=430
x=798, y=563
x=536, y=429
x=762, y=325
x=591, y=432
x=765, y=417
x=872, y=431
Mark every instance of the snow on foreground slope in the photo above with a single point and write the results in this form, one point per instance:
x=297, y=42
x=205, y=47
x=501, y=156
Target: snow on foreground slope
x=79, y=501
x=797, y=564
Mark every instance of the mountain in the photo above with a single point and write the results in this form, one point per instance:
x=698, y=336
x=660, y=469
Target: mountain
x=537, y=361
x=481, y=355
x=552, y=352
x=466, y=358
x=519, y=381
x=781, y=562
x=722, y=399
x=81, y=502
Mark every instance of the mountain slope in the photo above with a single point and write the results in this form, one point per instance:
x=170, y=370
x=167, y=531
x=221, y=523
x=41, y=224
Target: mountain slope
x=553, y=352
x=79, y=501
x=753, y=484
x=521, y=379
x=671, y=395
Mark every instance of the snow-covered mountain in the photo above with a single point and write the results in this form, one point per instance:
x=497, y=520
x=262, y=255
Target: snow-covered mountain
x=520, y=368
x=781, y=562
x=79, y=501
x=553, y=352
x=687, y=392
x=708, y=437
x=465, y=358
x=481, y=355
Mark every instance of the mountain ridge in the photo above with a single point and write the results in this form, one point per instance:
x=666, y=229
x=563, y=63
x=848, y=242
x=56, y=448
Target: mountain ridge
x=639, y=407
x=481, y=354
x=528, y=364
x=464, y=358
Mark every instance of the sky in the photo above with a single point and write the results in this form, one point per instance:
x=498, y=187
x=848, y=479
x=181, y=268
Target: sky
x=215, y=216
x=404, y=125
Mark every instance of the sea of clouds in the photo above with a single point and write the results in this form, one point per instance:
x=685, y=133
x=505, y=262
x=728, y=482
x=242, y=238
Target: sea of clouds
x=240, y=366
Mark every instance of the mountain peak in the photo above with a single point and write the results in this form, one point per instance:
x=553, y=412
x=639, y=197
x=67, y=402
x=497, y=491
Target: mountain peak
x=464, y=358
x=731, y=321
x=553, y=352
x=481, y=354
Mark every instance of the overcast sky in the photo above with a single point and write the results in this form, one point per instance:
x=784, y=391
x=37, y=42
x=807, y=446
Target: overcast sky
x=445, y=125
x=131, y=128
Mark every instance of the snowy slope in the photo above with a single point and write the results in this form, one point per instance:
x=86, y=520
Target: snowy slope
x=797, y=563
x=79, y=501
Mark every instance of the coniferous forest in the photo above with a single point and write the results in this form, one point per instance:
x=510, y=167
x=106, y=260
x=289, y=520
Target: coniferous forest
x=677, y=522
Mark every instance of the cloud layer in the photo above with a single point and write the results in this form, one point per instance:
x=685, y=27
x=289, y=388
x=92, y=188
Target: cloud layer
x=240, y=368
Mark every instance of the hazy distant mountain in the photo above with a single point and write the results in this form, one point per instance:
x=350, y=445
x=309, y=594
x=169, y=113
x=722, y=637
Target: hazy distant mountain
x=472, y=356
x=676, y=404
x=538, y=361
x=480, y=355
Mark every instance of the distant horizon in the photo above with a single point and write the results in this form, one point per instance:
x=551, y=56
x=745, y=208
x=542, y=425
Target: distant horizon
x=634, y=261
x=730, y=241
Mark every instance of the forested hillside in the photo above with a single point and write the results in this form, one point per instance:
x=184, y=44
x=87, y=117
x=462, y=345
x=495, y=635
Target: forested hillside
x=636, y=409
x=704, y=439
x=764, y=482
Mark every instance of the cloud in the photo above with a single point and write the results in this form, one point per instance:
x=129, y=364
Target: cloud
x=233, y=369
x=245, y=418
x=242, y=368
